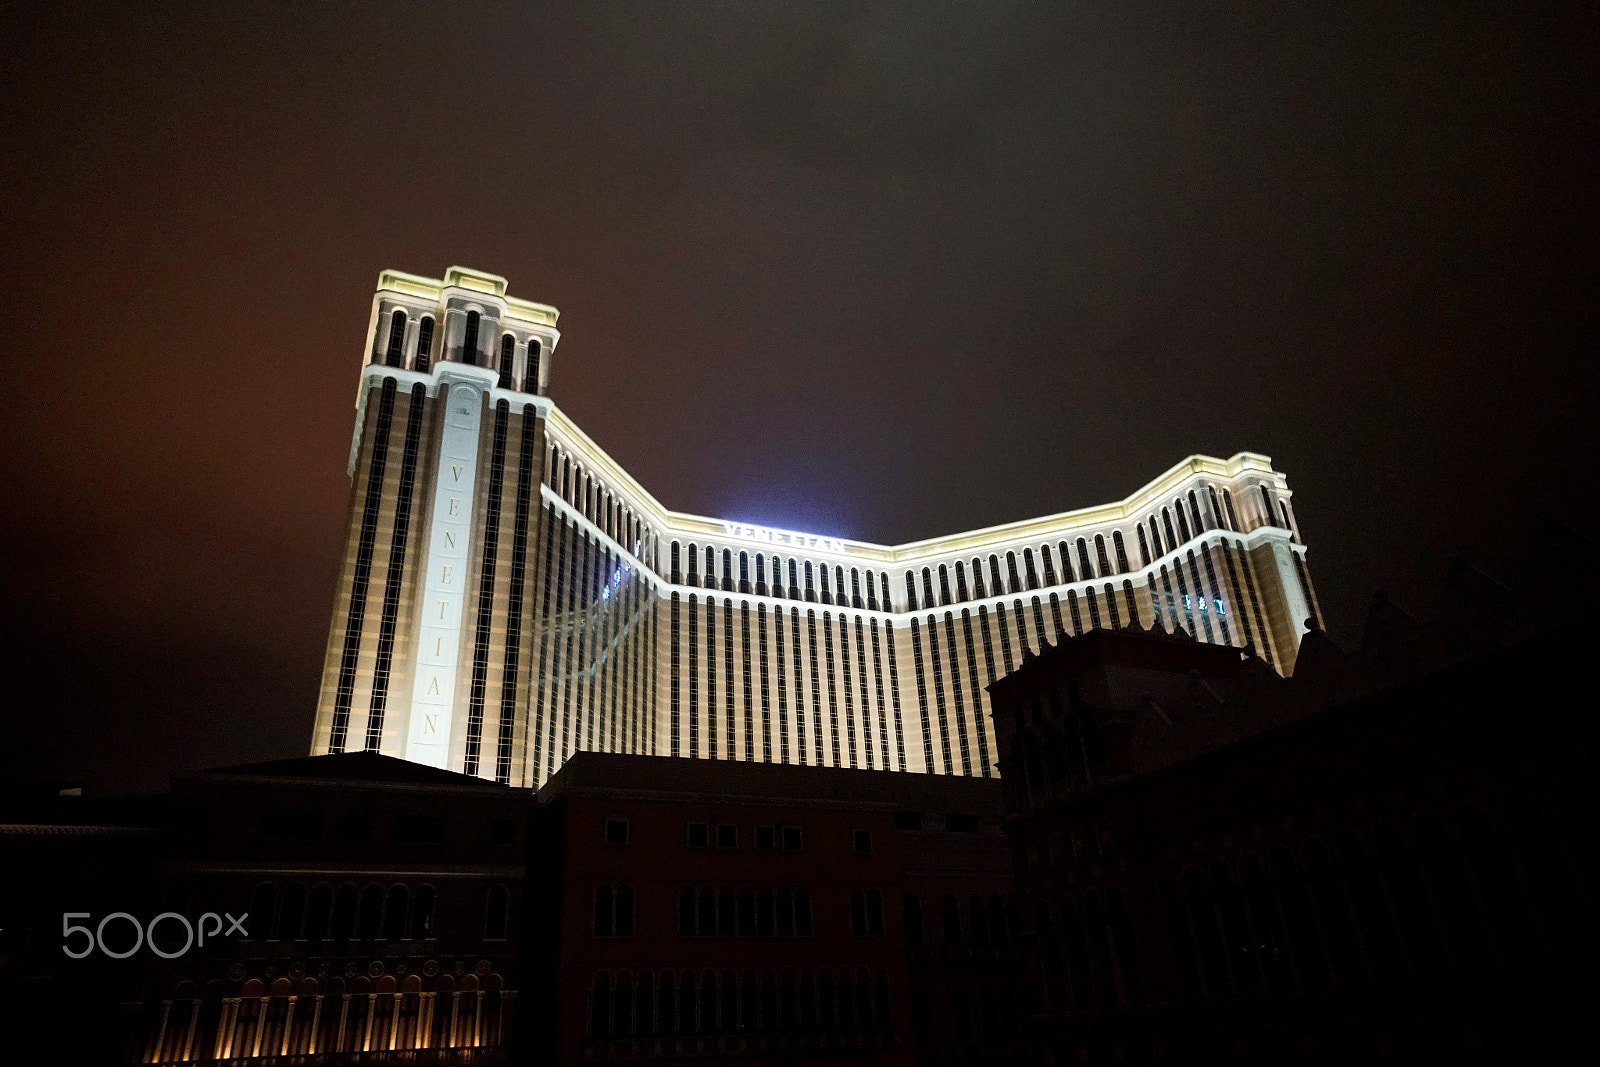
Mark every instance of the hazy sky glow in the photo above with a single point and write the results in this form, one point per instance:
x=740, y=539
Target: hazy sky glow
x=875, y=272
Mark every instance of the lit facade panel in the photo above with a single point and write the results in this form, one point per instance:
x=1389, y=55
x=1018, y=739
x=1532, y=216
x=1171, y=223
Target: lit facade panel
x=510, y=595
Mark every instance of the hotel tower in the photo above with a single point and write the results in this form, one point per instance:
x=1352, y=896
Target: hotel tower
x=510, y=595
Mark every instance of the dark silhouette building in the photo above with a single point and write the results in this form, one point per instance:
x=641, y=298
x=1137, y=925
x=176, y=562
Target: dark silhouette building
x=1388, y=855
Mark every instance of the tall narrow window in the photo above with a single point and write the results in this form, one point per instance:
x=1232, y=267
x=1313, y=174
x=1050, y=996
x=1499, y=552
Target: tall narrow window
x=424, y=344
x=530, y=372
x=1066, y=562
x=1049, y=565
x=1100, y=554
x=1144, y=547
x=469, y=343
x=1216, y=508
x=911, y=591
x=1085, y=571
x=508, y=359
x=1028, y=568
x=1121, y=550
x=397, y=339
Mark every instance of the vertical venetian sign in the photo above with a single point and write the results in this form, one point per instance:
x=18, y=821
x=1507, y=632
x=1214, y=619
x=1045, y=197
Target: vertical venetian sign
x=443, y=594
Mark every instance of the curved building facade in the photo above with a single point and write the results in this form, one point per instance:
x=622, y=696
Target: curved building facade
x=511, y=595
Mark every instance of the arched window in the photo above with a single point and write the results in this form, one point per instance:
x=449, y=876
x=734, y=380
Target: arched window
x=676, y=573
x=422, y=913
x=913, y=920
x=911, y=591
x=369, y=922
x=469, y=342
x=1144, y=549
x=508, y=360
x=927, y=587
x=1011, y=572
x=1064, y=553
x=624, y=920
x=344, y=912
x=1085, y=570
x=1028, y=568
x=1267, y=518
x=1049, y=566
x=855, y=588
x=1183, y=523
x=264, y=907
x=291, y=916
x=1194, y=513
x=744, y=572
x=944, y=584
x=1122, y=552
x=497, y=914
x=727, y=570
x=1216, y=508
x=1100, y=555
x=424, y=344
x=978, y=918
x=952, y=921
x=530, y=373
x=318, y=912
x=1166, y=521
x=395, y=913
x=397, y=339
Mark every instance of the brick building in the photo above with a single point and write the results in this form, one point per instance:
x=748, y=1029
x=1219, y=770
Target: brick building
x=773, y=912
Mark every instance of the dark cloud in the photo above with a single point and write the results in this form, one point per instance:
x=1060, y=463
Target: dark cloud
x=882, y=271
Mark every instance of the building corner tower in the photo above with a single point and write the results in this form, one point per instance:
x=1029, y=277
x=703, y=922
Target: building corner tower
x=427, y=649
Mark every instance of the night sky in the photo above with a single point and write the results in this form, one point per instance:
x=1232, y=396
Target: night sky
x=883, y=273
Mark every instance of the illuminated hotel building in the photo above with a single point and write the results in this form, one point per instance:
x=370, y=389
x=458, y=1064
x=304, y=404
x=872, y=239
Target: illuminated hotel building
x=510, y=595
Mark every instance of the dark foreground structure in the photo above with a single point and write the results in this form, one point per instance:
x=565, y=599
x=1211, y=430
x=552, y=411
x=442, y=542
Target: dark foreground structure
x=1388, y=856
x=1187, y=859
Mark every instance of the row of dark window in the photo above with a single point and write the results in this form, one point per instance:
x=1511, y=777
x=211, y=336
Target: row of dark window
x=350, y=913
x=807, y=581
x=983, y=924
x=666, y=1004
x=726, y=835
x=998, y=1018
x=744, y=912
x=471, y=351
x=598, y=503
